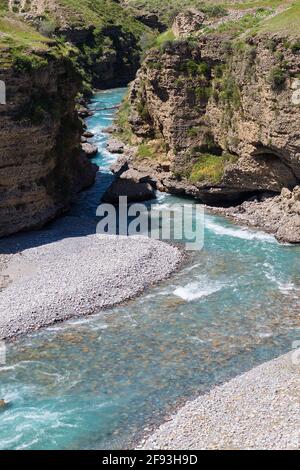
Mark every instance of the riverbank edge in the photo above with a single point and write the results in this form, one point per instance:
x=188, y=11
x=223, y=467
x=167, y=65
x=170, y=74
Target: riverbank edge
x=276, y=214
x=168, y=269
x=255, y=410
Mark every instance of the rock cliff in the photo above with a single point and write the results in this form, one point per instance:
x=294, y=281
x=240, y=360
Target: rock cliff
x=50, y=50
x=220, y=114
x=41, y=162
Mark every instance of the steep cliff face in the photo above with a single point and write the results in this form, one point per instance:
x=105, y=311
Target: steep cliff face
x=48, y=48
x=227, y=114
x=106, y=36
x=41, y=163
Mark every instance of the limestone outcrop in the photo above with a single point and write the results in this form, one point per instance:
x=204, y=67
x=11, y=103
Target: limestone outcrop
x=226, y=114
x=132, y=184
x=41, y=162
x=279, y=215
x=187, y=22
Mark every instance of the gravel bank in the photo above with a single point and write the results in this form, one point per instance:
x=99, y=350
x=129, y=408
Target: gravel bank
x=77, y=276
x=257, y=410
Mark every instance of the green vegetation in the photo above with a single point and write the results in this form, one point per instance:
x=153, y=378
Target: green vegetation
x=152, y=149
x=193, y=131
x=246, y=23
x=203, y=93
x=13, y=31
x=166, y=10
x=122, y=122
x=100, y=13
x=165, y=37
x=145, y=151
x=286, y=22
x=210, y=168
x=277, y=77
x=295, y=47
x=194, y=68
x=227, y=91
x=21, y=45
x=143, y=111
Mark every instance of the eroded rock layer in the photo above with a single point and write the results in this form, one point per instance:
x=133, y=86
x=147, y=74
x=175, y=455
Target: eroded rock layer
x=225, y=113
x=41, y=162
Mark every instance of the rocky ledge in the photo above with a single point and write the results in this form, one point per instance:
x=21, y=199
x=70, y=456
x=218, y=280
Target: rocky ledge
x=129, y=182
x=279, y=215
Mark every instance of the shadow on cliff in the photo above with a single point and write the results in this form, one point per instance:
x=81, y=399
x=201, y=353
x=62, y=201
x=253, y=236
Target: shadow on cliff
x=80, y=221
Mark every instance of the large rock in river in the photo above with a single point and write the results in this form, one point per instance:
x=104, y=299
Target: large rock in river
x=90, y=150
x=132, y=184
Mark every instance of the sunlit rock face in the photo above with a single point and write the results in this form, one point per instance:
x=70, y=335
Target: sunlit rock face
x=187, y=22
x=41, y=162
x=211, y=97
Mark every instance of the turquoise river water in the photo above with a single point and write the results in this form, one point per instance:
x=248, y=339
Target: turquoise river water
x=98, y=382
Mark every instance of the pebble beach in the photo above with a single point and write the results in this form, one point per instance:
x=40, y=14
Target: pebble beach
x=257, y=410
x=78, y=276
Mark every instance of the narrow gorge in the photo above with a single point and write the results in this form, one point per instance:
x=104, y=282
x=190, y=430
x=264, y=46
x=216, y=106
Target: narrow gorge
x=52, y=55
x=116, y=340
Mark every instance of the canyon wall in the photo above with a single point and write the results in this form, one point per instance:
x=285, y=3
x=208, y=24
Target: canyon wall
x=219, y=119
x=50, y=51
x=41, y=162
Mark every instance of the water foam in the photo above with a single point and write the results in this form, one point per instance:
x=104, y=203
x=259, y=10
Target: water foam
x=286, y=287
x=242, y=233
x=197, y=289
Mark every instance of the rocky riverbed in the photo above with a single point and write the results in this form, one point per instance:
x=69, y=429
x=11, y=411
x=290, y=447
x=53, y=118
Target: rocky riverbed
x=257, y=410
x=77, y=276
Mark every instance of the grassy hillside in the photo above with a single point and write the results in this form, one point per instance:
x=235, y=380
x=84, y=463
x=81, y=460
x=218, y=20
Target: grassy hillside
x=108, y=38
x=20, y=42
x=99, y=13
x=287, y=22
x=168, y=9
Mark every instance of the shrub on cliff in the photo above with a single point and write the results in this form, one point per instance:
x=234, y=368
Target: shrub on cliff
x=277, y=78
x=210, y=168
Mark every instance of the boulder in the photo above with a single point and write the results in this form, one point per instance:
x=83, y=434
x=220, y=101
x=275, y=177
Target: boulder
x=119, y=166
x=84, y=112
x=110, y=129
x=296, y=193
x=115, y=146
x=133, y=184
x=89, y=149
x=88, y=134
x=3, y=404
x=289, y=229
x=135, y=192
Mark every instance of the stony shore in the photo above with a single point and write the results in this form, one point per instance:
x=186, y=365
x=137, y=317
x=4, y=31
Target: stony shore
x=279, y=215
x=257, y=410
x=76, y=276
